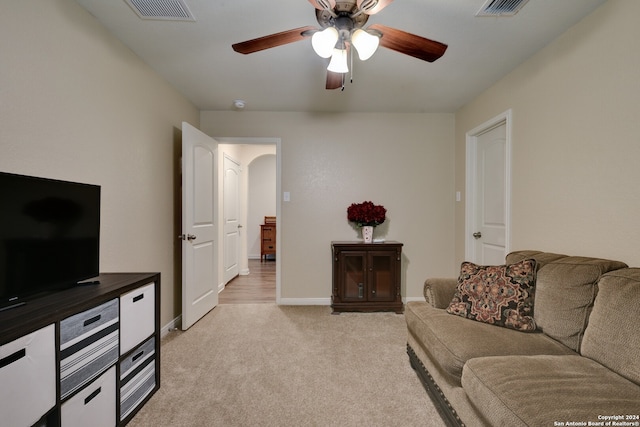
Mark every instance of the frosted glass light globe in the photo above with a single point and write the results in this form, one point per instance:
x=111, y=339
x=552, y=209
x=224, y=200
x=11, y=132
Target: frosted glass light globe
x=324, y=41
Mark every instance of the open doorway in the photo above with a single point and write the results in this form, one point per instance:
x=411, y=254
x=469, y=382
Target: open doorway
x=261, y=209
x=257, y=280
x=257, y=287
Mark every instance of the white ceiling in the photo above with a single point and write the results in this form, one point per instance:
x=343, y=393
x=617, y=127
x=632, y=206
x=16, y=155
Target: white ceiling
x=197, y=59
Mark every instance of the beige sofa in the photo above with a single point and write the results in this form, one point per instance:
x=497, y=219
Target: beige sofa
x=581, y=365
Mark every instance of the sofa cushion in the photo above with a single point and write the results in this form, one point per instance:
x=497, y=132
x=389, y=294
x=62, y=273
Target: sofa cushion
x=612, y=336
x=439, y=291
x=542, y=390
x=501, y=295
x=541, y=258
x=450, y=341
x=565, y=291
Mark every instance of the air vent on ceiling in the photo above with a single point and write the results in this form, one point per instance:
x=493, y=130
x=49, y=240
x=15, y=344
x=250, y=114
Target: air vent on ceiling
x=501, y=7
x=168, y=10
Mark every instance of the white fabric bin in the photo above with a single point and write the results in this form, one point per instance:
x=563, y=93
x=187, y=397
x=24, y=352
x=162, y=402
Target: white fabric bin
x=137, y=317
x=94, y=405
x=28, y=378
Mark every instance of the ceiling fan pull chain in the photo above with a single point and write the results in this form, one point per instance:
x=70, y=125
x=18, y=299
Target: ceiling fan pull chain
x=351, y=65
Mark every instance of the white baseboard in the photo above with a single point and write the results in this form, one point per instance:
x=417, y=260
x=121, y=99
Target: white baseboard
x=304, y=301
x=327, y=301
x=174, y=324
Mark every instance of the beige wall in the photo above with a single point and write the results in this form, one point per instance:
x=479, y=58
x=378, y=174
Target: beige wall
x=402, y=161
x=576, y=143
x=75, y=104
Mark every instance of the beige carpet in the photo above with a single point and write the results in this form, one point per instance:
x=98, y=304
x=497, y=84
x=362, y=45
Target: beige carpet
x=269, y=365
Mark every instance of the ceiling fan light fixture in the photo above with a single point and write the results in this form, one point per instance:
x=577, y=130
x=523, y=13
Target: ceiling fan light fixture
x=342, y=24
x=338, y=62
x=324, y=41
x=366, y=44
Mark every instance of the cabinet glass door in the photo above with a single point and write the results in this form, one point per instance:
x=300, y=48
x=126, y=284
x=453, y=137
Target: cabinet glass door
x=382, y=276
x=354, y=276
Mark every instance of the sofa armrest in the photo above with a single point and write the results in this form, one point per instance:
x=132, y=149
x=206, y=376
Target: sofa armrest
x=439, y=291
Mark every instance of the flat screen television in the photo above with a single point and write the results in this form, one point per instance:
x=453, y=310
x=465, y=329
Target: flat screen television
x=49, y=236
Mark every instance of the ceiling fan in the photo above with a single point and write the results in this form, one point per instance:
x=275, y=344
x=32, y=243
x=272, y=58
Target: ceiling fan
x=342, y=23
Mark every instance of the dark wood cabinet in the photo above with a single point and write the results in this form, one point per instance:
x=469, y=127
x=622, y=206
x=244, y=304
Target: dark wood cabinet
x=268, y=237
x=366, y=276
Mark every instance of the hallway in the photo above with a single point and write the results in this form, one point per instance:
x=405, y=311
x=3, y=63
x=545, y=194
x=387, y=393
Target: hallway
x=258, y=287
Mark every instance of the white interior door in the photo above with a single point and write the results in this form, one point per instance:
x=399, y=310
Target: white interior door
x=232, y=226
x=199, y=269
x=489, y=189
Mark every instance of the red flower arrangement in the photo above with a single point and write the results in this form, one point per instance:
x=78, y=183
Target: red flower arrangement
x=366, y=213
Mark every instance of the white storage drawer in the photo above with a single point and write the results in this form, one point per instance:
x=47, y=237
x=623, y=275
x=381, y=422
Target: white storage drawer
x=137, y=377
x=28, y=377
x=94, y=405
x=88, y=346
x=137, y=317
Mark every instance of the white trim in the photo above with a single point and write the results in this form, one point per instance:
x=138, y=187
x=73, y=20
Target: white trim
x=327, y=301
x=248, y=140
x=171, y=326
x=304, y=301
x=278, y=220
x=471, y=154
x=470, y=208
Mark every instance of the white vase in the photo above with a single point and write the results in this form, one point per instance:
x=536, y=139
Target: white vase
x=367, y=233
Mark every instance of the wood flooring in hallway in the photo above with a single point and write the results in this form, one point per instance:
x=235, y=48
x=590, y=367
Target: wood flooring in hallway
x=257, y=287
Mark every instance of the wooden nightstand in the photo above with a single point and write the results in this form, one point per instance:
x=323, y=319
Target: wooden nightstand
x=268, y=237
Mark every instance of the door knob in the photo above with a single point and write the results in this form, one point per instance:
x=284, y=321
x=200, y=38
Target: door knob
x=477, y=234
x=188, y=237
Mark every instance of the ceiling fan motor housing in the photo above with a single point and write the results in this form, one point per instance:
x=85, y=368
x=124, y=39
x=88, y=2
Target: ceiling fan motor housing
x=345, y=11
x=344, y=25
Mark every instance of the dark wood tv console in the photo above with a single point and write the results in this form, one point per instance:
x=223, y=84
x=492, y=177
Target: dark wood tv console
x=89, y=355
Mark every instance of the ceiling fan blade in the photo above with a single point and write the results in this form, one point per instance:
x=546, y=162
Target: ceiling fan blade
x=273, y=40
x=409, y=44
x=371, y=7
x=323, y=4
x=334, y=80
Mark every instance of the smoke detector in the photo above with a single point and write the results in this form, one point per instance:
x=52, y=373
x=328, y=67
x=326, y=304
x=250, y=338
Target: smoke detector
x=239, y=104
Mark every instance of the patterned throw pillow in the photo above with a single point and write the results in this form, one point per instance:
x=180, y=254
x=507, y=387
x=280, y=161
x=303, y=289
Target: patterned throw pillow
x=497, y=294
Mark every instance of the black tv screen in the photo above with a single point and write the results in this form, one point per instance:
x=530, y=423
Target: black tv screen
x=49, y=235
